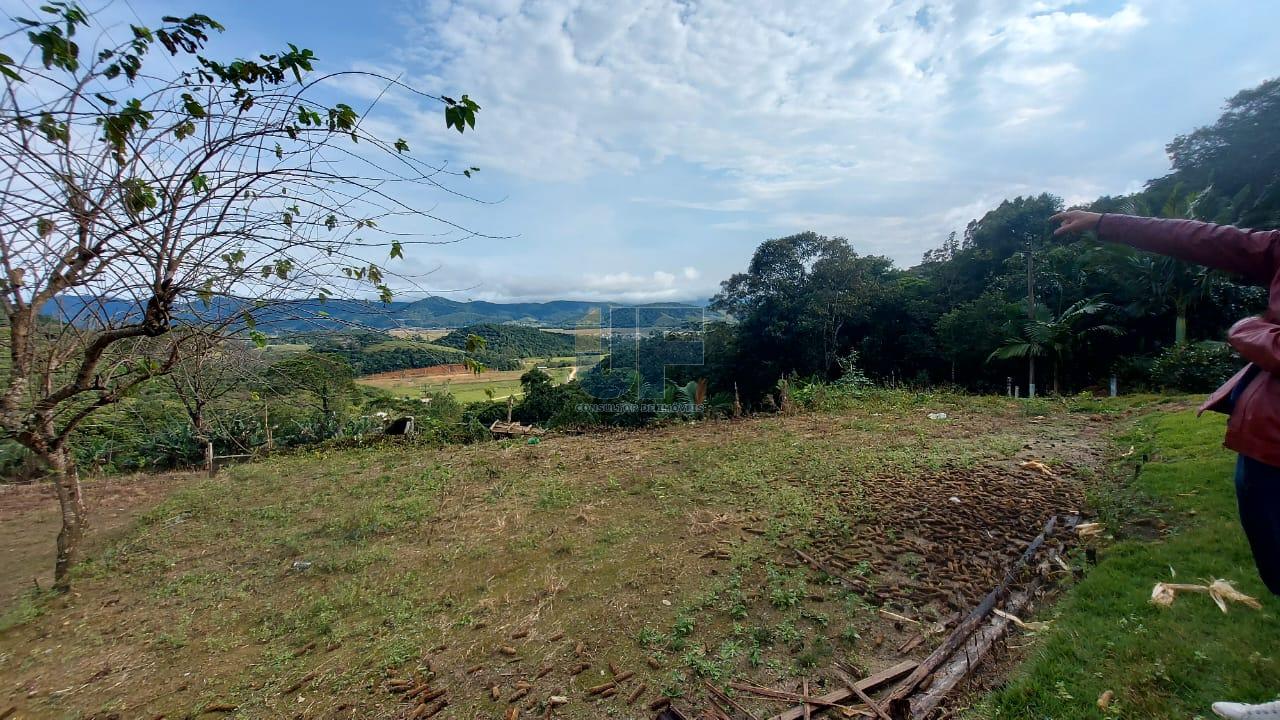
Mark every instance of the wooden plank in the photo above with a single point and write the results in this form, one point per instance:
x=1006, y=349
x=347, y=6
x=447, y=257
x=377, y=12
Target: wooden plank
x=864, y=697
x=867, y=684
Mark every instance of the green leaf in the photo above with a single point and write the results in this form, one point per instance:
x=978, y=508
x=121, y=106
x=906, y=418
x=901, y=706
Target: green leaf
x=54, y=131
x=200, y=183
x=7, y=70
x=192, y=106
x=401, y=145
x=279, y=152
x=259, y=339
x=138, y=195
x=397, y=251
x=205, y=293
x=249, y=322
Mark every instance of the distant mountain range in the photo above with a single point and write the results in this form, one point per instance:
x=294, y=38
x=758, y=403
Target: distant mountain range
x=430, y=312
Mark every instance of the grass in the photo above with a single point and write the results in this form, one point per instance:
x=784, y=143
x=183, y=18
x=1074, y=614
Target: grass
x=633, y=543
x=465, y=387
x=1106, y=635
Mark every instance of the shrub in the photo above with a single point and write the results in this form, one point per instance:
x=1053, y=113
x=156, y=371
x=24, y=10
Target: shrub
x=1194, y=367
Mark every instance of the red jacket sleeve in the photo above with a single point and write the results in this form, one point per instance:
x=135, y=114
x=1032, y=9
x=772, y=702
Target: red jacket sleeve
x=1258, y=341
x=1251, y=253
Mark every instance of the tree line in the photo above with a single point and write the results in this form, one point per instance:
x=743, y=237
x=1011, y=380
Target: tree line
x=989, y=304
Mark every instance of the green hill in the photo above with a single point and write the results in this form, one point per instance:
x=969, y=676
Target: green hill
x=512, y=340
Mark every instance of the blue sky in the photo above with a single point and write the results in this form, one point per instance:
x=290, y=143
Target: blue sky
x=640, y=151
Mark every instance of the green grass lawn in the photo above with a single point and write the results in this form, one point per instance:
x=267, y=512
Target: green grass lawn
x=1106, y=634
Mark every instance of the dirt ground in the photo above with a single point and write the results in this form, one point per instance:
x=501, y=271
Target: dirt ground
x=505, y=574
x=29, y=523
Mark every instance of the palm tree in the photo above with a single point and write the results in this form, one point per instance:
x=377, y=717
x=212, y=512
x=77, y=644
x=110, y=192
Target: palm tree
x=1167, y=282
x=1057, y=337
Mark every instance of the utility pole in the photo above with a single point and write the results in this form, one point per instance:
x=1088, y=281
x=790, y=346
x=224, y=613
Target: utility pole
x=1031, y=316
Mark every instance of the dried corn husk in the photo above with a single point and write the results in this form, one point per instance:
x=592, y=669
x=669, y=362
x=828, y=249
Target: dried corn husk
x=1038, y=467
x=1028, y=626
x=1220, y=590
x=1089, y=529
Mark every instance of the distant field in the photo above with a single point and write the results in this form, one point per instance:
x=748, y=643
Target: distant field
x=413, y=333
x=466, y=387
x=278, y=349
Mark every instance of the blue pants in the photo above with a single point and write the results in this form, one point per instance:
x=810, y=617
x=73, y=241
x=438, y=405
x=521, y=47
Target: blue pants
x=1258, y=493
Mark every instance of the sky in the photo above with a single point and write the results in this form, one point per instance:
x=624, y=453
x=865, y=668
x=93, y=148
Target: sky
x=640, y=151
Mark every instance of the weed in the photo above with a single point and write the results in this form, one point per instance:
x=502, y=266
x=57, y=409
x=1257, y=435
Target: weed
x=785, y=589
x=683, y=626
x=648, y=637
x=850, y=635
x=27, y=607
x=555, y=495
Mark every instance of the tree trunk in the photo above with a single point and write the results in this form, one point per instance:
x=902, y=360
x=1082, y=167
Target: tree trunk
x=1180, y=327
x=1057, y=390
x=66, y=482
x=1031, y=376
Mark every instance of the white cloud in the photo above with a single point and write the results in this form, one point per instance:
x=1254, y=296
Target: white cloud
x=890, y=122
x=781, y=100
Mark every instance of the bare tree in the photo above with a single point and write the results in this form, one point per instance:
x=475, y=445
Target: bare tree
x=132, y=202
x=210, y=369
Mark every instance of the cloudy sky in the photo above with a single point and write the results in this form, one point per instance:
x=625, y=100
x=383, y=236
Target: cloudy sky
x=641, y=150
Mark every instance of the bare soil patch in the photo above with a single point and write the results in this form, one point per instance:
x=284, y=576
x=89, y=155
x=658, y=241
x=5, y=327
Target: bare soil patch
x=29, y=523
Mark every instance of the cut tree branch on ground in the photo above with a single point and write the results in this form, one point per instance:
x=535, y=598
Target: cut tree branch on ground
x=970, y=656
x=867, y=684
x=862, y=695
x=899, y=707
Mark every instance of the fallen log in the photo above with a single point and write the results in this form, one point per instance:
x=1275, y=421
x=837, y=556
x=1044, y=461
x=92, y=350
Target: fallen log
x=772, y=694
x=866, y=684
x=897, y=702
x=970, y=655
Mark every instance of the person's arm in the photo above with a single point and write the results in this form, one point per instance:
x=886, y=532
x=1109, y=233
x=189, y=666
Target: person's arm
x=1251, y=253
x=1258, y=341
